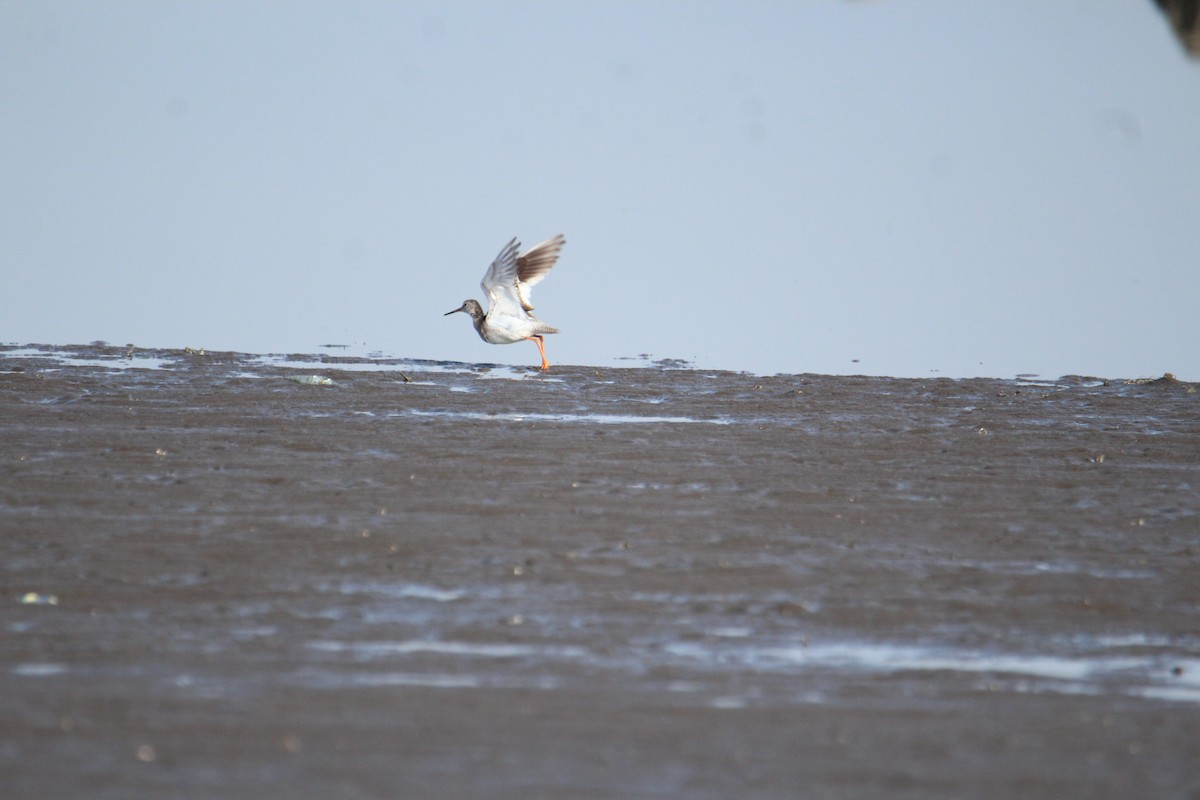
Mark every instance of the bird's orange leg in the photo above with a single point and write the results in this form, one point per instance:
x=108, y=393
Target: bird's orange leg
x=541, y=345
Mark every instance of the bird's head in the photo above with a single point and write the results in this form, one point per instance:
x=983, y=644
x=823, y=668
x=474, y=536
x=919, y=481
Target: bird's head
x=469, y=307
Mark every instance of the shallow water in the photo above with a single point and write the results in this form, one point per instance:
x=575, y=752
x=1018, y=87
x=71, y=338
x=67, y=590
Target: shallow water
x=453, y=580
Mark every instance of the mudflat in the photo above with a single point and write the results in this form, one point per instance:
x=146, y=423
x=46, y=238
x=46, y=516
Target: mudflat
x=226, y=577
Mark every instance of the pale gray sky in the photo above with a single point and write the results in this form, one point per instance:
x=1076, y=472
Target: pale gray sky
x=932, y=188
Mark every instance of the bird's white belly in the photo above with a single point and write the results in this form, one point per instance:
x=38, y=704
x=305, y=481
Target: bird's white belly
x=506, y=329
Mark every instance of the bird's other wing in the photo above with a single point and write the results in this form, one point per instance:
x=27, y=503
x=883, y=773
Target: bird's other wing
x=500, y=281
x=533, y=265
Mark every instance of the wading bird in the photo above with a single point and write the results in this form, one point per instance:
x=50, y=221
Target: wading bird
x=507, y=283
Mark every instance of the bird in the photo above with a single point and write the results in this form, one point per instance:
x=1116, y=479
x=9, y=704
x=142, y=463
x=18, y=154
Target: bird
x=506, y=284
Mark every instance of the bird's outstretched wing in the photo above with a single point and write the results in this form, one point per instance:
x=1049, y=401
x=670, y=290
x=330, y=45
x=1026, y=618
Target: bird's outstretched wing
x=508, y=280
x=534, y=264
x=500, y=281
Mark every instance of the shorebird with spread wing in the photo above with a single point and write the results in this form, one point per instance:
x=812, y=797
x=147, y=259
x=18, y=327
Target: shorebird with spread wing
x=506, y=284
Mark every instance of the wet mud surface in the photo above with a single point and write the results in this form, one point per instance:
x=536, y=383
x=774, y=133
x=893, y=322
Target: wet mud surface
x=436, y=580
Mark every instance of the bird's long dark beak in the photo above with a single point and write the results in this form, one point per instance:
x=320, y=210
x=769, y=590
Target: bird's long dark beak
x=455, y=311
